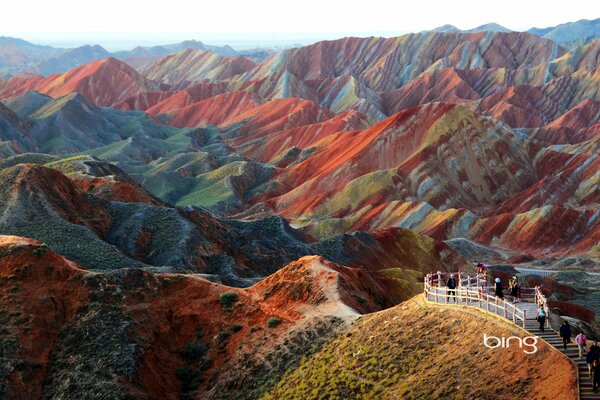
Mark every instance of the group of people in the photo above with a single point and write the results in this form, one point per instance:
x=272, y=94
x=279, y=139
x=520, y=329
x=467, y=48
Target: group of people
x=513, y=285
x=592, y=355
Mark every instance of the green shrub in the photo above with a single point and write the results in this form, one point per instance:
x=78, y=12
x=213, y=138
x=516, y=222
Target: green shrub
x=199, y=333
x=41, y=249
x=227, y=300
x=273, y=322
x=236, y=328
x=223, y=336
x=193, y=351
x=189, y=378
x=206, y=364
x=255, y=328
x=20, y=365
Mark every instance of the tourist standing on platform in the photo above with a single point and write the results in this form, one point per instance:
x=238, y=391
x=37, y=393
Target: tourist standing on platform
x=498, y=288
x=451, y=287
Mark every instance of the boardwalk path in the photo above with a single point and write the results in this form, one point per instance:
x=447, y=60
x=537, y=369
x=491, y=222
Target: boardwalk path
x=474, y=293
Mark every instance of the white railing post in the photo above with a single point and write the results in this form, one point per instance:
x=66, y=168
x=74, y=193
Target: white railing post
x=474, y=292
x=514, y=315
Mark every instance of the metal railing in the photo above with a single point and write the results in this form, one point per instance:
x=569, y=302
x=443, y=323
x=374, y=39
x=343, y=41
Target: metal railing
x=474, y=291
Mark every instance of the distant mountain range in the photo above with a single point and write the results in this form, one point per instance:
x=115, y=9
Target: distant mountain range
x=18, y=56
x=570, y=34
x=491, y=27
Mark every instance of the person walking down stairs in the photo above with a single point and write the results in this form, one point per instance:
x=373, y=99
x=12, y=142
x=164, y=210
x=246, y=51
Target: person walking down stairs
x=541, y=317
x=592, y=355
x=596, y=376
x=565, y=334
x=581, y=341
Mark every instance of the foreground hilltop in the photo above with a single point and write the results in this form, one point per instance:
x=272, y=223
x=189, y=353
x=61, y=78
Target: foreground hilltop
x=418, y=350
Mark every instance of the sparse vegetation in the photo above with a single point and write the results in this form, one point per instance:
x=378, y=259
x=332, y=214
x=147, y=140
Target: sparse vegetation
x=189, y=378
x=193, y=351
x=273, y=322
x=384, y=357
x=41, y=249
x=227, y=301
x=236, y=328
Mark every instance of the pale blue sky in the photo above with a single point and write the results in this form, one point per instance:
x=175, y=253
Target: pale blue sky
x=118, y=23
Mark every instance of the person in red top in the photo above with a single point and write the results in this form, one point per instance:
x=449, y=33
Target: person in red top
x=480, y=269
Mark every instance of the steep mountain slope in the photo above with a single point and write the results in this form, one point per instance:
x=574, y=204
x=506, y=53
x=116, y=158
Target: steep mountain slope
x=571, y=31
x=17, y=54
x=69, y=124
x=196, y=65
x=404, y=146
x=133, y=334
x=14, y=133
x=111, y=222
x=69, y=59
x=212, y=111
x=385, y=64
x=579, y=124
x=187, y=96
x=104, y=82
x=416, y=170
x=273, y=116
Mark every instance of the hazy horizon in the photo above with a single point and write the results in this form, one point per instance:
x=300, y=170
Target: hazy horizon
x=118, y=25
